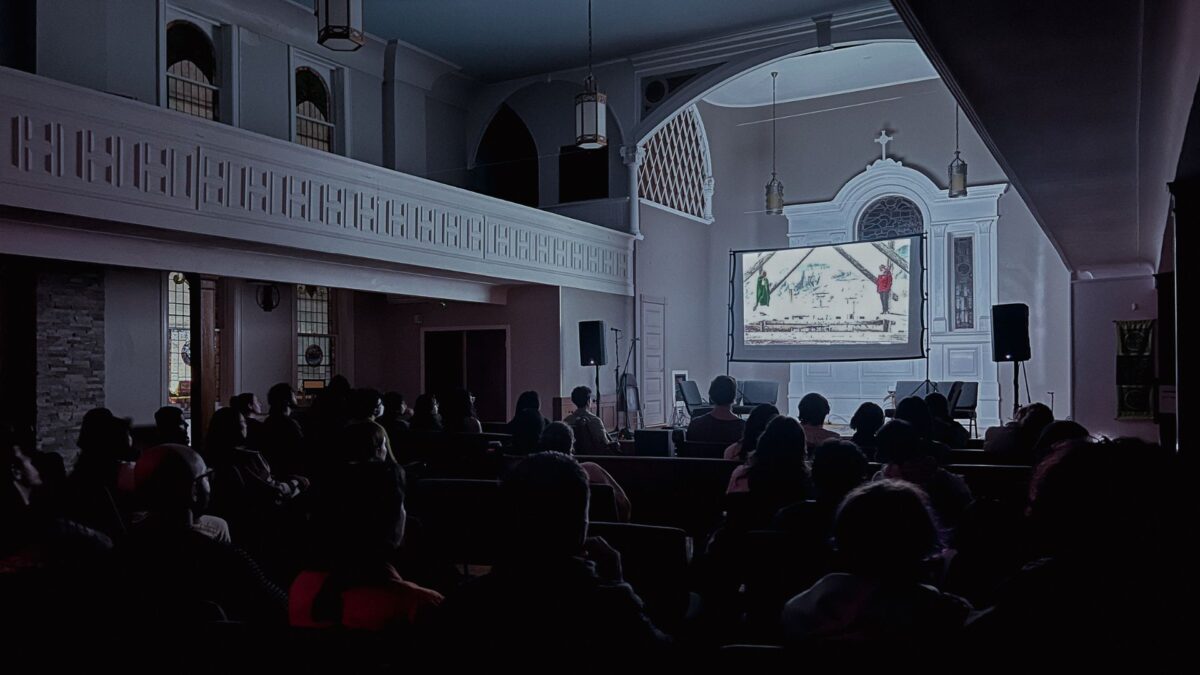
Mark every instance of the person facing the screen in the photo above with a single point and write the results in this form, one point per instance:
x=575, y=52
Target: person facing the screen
x=883, y=284
x=720, y=425
x=811, y=412
x=762, y=293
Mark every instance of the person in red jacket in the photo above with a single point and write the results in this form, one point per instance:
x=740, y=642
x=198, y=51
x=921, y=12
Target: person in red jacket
x=883, y=284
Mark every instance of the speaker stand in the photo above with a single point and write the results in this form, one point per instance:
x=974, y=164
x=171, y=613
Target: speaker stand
x=598, y=395
x=1016, y=388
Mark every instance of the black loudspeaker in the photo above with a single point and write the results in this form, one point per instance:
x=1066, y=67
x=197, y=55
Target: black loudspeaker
x=591, y=344
x=1010, y=332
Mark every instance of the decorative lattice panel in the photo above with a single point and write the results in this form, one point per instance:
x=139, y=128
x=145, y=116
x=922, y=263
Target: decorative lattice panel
x=676, y=171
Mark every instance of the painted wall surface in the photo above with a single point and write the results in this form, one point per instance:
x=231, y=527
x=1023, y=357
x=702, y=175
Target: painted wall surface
x=616, y=312
x=365, y=94
x=264, y=341
x=445, y=143
x=1096, y=304
x=264, y=99
x=388, y=339
x=109, y=46
x=821, y=145
x=134, y=343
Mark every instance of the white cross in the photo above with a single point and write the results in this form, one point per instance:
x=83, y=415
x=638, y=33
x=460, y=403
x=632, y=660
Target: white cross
x=883, y=140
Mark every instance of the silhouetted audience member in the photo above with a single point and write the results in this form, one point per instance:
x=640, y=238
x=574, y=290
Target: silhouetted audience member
x=1014, y=442
x=281, y=439
x=886, y=541
x=776, y=475
x=425, y=416
x=395, y=422
x=915, y=412
x=365, y=407
x=527, y=423
x=558, y=437
x=867, y=420
x=1109, y=582
x=458, y=413
x=755, y=423
x=1058, y=431
x=170, y=426
x=363, y=441
x=554, y=592
x=360, y=522
x=812, y=411
x=174, y=574
x=719, y=425
x=591, y=438
x=258, y=487
x=251, y=409
x=945, y=429
x=837, y=468
x=103, y=473
x=907, y=455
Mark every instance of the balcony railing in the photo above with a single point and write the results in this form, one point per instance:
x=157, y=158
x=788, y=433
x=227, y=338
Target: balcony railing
x=71, y=150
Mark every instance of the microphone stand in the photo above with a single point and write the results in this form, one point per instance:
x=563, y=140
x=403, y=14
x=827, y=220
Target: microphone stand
x=620, y=380
x=617, y=379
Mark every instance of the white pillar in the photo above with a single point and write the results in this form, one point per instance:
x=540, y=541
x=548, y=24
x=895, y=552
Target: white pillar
x=633, y=155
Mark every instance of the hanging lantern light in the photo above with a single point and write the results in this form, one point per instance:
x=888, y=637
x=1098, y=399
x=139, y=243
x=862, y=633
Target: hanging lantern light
x=339, y=25
x=591, y=116
x=774, y=186
x=957, y=168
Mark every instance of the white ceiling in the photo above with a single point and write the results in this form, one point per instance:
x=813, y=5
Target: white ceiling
x=839, y=71
x=495, y=40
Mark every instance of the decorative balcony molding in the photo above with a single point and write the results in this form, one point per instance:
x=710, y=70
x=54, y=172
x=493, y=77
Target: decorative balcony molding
x=70, y=150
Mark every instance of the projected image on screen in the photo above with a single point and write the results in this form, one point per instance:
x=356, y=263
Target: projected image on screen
x=829, y=295
x=843, y=301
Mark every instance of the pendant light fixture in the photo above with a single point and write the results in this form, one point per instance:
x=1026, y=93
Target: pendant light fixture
x=590, y=106
x=774, y=187
x=339, y=25
x=957, y=168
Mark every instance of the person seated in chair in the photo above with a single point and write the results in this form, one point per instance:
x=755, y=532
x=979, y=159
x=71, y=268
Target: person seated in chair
x=909, y=456
x=558, y=437
x=554, y=591
x=170, y=426
x=360, y=523
x=590, y=436
x=174, y=572
x=755, y=423
x=886, y=540
x=867, y=420
x=945, y=429
x=811, y=412
x=720, y=425
x=281, y=438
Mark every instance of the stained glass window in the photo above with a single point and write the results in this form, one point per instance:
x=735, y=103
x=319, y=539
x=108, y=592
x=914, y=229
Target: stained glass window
x=890, y=217
x=316, y=336
x=179, y=345
x=963, y=254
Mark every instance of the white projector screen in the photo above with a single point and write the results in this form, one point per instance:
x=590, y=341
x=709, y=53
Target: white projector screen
x=827, y=303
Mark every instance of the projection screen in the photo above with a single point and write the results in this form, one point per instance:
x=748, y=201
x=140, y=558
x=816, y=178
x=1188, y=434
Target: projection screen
x=839, y=302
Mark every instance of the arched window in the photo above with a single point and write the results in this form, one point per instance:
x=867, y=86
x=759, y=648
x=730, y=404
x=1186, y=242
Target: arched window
x=890, y=217
x=191, y=71
x=314, y=111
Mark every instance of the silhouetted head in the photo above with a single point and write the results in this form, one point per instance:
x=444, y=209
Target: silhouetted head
x=527, y=400
x=365, y=404
x=755, y=424
x=425, y=405
x=546, y=496
x=898, y=442
x=914, y=411
x=171, y=425
x=526, y=429
x=339, y=385
x=394, y=405
x=886, y=530
x=363, y=441
x=813, y=409
x=867, y=419
x=722, y=390
x=777, y=471
x=939, y=406
x=281, y=397
x=1031, y=420
x=1057, y=432
x=581, y=396
x=226, y=431
x=247, y=404
x=172, y=478
x=837, y=468
x=360, y=513
x=457, y=406
x=104, y=440
x=557, y=437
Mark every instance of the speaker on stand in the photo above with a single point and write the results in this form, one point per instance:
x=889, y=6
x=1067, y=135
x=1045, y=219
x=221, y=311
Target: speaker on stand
x=592, y=351
x=1010, y=341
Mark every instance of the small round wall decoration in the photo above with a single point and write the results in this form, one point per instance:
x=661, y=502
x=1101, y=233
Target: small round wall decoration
x=314, y=355
x=185, y=352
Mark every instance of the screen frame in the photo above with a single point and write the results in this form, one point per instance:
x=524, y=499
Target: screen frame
x=830, y=353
